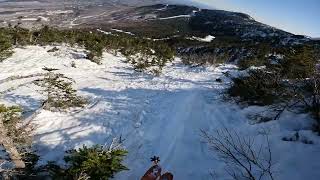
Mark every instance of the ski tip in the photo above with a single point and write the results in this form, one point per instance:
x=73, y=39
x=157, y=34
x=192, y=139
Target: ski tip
x=155, y=159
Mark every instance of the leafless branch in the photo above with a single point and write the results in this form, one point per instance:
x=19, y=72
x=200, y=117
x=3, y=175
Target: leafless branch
x=240, y=154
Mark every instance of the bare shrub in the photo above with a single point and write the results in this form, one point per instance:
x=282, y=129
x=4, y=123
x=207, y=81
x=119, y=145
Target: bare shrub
x=244, y=157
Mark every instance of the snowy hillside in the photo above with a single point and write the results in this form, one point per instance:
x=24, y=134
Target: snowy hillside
x=159, y=116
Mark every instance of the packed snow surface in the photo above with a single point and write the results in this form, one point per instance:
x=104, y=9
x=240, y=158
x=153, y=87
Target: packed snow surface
x=159, y=116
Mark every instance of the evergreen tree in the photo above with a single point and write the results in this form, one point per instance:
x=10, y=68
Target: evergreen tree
x=96, y=162
x=5, y=46
x=299, y=62
x=59, y=91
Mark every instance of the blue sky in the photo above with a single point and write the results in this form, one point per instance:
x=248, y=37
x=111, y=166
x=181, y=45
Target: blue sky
x=296, y=16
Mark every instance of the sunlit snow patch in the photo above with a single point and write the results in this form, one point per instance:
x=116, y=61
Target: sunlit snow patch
x=59, y=12
x=44, y=18
x=28, y=19
x=208, y=38
x=174, y=17
x=121, y=31
x=104, y=32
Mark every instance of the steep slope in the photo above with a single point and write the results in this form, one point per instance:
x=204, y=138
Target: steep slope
x=154, y=115
x=193, y=20
x=144, y=18
x=62, y=13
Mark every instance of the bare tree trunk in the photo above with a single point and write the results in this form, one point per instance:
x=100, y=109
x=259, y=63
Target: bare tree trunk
x=10, y=147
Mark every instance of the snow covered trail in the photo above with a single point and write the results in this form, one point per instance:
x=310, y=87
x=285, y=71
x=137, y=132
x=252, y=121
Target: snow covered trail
x=175, y=134
x=159, y=116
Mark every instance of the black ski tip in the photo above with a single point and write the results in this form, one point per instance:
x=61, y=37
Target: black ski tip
x=155, y=159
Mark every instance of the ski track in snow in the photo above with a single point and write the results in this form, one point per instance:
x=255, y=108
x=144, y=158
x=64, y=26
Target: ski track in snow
x=155, y=115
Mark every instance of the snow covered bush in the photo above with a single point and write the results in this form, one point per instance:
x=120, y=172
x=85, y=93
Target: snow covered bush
x=299, y=62
x=20, y=36
x=245, y=158
x=93, y=42
x=258, y=88
x=96, y=162
x=203, y=59
x=59, y=92
x=290, y=84
x=11, y=118
x=309, y=95
x=92, y=56
x=5, y=46
x=16, y=138
x=256, y=55
x=144, y=62
x=148, y=56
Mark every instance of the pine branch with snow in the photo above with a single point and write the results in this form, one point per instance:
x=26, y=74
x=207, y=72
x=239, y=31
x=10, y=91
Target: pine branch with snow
x=60, y=94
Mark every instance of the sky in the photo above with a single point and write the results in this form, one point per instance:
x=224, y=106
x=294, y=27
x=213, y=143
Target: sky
x=296, y=16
